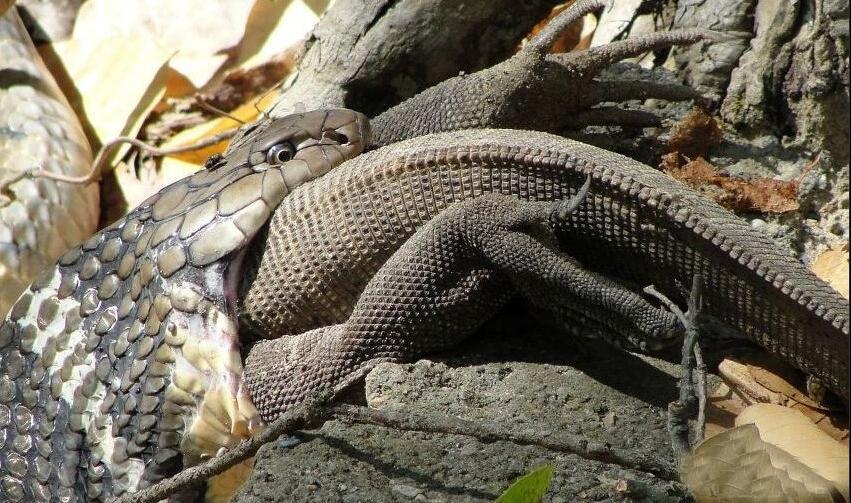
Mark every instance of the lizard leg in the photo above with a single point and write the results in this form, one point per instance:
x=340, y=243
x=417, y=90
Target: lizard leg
x=592, y=61
x=534, y=89
x=456, y=272
x=621, y=90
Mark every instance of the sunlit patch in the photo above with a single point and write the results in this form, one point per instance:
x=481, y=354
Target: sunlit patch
x=221, y=488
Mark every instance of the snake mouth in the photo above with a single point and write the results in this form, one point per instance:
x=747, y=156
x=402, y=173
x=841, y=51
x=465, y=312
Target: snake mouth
x=207, y=388
x=207, y=384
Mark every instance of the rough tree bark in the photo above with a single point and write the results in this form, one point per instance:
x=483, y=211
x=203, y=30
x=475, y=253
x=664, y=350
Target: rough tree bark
x=370, y=55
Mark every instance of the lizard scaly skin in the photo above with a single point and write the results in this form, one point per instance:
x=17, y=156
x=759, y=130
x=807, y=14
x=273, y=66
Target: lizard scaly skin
x=85, y=418
x=331, y=237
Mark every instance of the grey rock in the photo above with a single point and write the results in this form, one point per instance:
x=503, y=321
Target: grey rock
x=365, y=463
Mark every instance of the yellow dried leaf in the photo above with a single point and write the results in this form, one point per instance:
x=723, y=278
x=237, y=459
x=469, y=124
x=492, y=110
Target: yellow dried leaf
x=737, y=465
x=246, y=113
x=832, y=266
x=791, y=431
x=576, y=37
x=111, y=92
x=759, y=378
x=203, y=34
x=272, y=27
x=222, y=487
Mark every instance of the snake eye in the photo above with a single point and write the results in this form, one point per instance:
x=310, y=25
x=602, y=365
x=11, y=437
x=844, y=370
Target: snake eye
x=280, y=153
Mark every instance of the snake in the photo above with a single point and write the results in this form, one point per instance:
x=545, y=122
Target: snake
x=124, y=358
x=40, y=218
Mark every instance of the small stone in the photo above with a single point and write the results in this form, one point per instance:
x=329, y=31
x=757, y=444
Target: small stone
x=405, y=490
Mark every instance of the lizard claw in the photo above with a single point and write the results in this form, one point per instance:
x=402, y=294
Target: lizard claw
x=567, y=206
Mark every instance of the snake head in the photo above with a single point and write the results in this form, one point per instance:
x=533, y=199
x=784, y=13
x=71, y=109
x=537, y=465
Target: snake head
x=321, y=139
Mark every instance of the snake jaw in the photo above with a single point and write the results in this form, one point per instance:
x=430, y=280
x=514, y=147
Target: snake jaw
x=122, y=364
x=207, y=384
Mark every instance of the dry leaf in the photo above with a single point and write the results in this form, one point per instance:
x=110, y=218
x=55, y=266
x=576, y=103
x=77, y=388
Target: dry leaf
x=759, y=194
x=5, y=4
x=240, y=85
x=695, y=134
x=737, y=465
x=274, y=26
x=245, y=113
x=791, y=431
x=763, y=379
x=111, y=92
x=222, y=487
x=832, y=267
x=722, y=408
x=576, y=37
x=203, y=34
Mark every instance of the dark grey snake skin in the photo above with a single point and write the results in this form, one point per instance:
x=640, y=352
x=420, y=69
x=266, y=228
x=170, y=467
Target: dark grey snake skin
x=122, y=363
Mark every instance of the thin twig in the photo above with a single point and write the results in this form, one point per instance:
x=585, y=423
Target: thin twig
x=217, y=111
x=488, y=431
x=310, y=413
x=103, y=153
x=694, y=370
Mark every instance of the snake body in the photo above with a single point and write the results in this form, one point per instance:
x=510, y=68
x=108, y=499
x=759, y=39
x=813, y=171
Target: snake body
x=39, y=218
x=122, y=363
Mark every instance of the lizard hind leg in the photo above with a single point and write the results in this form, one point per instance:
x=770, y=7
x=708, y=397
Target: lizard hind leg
x=438, y=288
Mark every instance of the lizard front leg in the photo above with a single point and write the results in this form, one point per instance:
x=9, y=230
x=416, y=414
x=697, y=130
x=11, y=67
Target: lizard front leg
x=439, y=287
x=540, y=91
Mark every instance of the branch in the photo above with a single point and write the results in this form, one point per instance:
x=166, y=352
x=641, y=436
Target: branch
x=103, y=153
x=310, y=413
x=487, y=431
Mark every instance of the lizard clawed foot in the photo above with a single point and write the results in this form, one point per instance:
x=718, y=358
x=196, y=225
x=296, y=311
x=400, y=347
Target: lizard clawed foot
x=540, y=91
x=283, y=372
x=582, y=69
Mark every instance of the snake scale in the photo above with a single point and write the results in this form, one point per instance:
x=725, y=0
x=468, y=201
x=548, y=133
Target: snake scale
x=39, y=219
x=97, y=337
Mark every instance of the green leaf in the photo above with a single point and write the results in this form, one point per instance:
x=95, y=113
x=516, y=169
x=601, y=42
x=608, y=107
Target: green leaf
x=529, y=488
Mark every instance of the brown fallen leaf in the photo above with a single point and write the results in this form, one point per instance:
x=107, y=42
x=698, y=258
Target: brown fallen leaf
x=222, y=487
x=695, y=134
x=576, y=37
x=764, y=379
x=273, y=27
x=111, y=93
x=241, y=84
x=762, y=195
x=738, y=465
x=832, y=267
x=245, y=113
x=202, y=34
x=791, y=431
